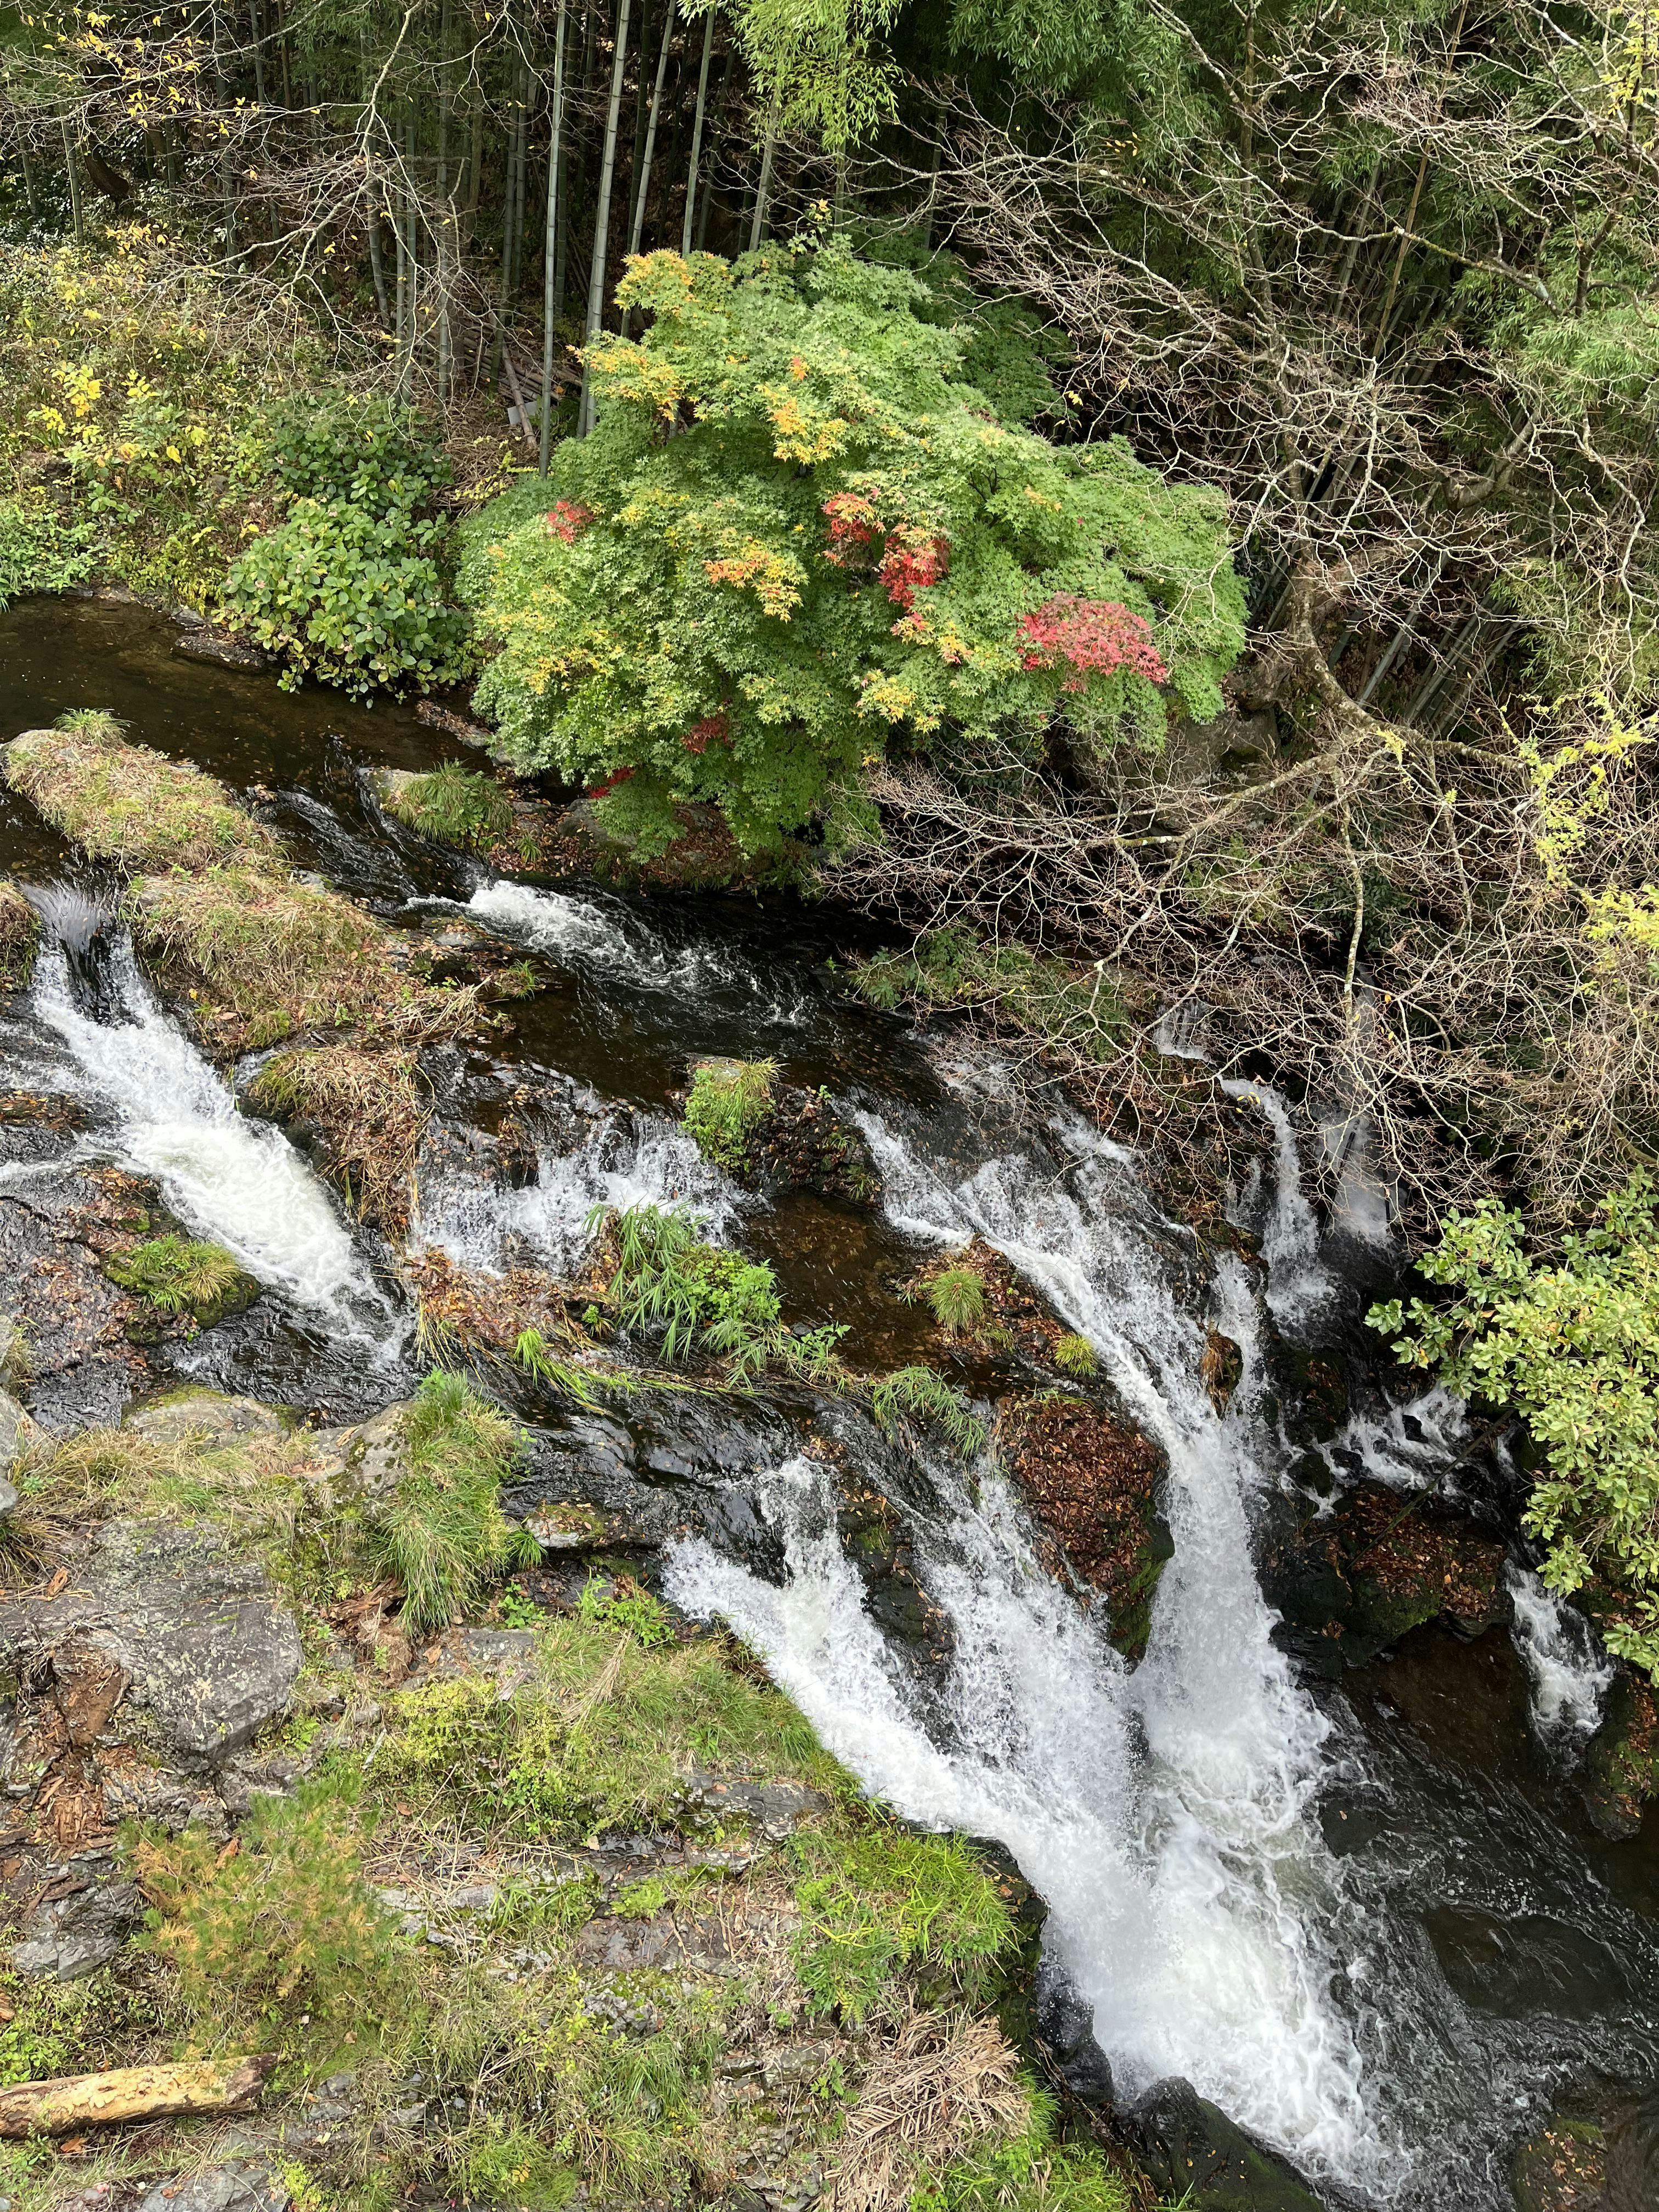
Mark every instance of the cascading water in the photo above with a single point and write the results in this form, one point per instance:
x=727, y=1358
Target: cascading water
x=1164, y=1814
x=239, y=1183
x=1298, y=1286
x=1570, y=1677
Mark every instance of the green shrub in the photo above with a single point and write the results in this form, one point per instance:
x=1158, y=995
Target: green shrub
x=729, y=1104
x=958, y=1298
x=1574, y=1347
x=698, y=1296
x=353, y=598
x=876, y=1900
x=504, y=2165
x=1075, y=1355
x=38, y=552
x=285, y=1923
x=454, y=805
x=442, y=1534
x=371, y=452
x=1075, y=1010
x=178, y=1275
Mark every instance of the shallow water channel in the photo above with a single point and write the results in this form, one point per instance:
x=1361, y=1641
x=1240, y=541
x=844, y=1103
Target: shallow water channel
x=1369, y=1919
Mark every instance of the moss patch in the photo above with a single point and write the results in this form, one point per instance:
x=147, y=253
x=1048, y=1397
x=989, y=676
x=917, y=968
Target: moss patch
x=1621, y=1769
x=182, y=1278
x=1092, y=1480
x=367, y=1109
x=19, y=939
x=125, y=803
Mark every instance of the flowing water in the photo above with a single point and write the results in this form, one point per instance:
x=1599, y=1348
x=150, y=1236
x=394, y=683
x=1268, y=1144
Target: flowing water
x=1369, y=1920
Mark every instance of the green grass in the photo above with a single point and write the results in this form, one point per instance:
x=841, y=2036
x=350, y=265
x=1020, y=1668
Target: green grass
x=621, y=1604
x=957, y=1298
x=1033, y=2172
x=730, y=1103
x=694, y=1295
x=1075, y=1355
x=601, y=1734
x=454, y=805
x=921, y=1393
x=127, y=805
x=177, y=1275
x=877, y=1899
x=441, y=1534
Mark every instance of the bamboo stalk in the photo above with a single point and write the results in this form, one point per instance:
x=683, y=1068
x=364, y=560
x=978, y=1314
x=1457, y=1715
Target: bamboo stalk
x=696, y=132
x=551, y=242
x=602, y=217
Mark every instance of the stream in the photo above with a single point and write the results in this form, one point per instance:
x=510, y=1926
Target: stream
x=1369, y=1919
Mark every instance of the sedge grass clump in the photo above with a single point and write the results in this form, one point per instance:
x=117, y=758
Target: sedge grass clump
x=921, y=1393
x=179, y=1275
x=877, y=1898
x=370, y=1112
x=698, y=1297
x=601, y=1734
x=1075, y=1355
x=283, y=1926
x=957, y=1295
x=441, y=1535
x=730, y=1103
x=453, y=805
x=1025, y=2169
x=128, y=804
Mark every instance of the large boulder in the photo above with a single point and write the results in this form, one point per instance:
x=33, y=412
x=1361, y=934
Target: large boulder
x=190, y=1620
x=204, y=1418
x=68, y=1936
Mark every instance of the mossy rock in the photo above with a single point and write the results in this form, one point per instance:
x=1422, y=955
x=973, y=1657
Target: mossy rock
x=1563, y=2169
x=1350, y=1583
x=1621, y=1767
x=774, y=1136
x=1092, y=1479
x=131, y=806
x=20, y=940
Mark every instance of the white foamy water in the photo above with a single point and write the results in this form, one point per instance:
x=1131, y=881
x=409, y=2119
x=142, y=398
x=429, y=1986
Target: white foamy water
x=582, y=933
x=1299, y=1285
x=625, y=1159
x=1164, y=1814
x=239, y=1183
x=1413, y=1446
x=1569, y=1672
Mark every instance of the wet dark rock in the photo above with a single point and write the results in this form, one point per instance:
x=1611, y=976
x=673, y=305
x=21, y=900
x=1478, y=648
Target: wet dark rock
x=191, y=1620
x=1190, y=2145
x=1350, y=1580
x=1221, y=1369
x=1065, y=2025
x=216, y=649
x=68, y=1936
x=805, y=1143
x=54, y=1236
x=437, y=717
x=875, y=1539
x=1621, y=1766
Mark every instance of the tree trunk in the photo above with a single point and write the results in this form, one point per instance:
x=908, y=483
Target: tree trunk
x=550, y=239
x=74, y=183
x=697, y=131
x=763, y=188
x=131, y=2092
x=643, y=186
x=602, y=217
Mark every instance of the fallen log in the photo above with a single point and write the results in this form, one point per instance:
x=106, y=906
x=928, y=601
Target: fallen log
x=132, y=2093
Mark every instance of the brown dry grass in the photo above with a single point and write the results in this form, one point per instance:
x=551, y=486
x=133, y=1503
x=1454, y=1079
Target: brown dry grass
x=370, y=1111
x=125, y=803
x=946, y=2080
x=19, y=939
x=262, y=958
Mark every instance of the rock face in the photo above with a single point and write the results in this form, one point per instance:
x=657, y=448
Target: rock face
x=1621, y=1768
x=242, y=2186
x=82, y=1369
x=192, y=1625
x=69, y=1936
x=1193, y=2152
x=203, y=1417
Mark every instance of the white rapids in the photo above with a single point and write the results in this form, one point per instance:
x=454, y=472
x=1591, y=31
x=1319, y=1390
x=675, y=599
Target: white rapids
x=1165, y=1813
x=1569, y=1674
x=238, y=1181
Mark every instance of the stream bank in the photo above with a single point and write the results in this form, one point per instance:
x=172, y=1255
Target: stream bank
x=1271, y=1862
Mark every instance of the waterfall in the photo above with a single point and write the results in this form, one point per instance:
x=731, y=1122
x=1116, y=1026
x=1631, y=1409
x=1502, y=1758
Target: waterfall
x=1165, y=1813
x=625, y=1159
x=236, y=1182
x=1299, y=1287
x=1568, y=1674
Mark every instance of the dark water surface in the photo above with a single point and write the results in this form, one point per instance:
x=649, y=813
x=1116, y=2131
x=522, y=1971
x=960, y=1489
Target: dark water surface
x=1514, y=1952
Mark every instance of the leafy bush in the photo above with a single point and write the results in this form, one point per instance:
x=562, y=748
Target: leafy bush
x=1574, y=1346
x=1075, y=1355
x=284, y=1923
x=840, y=541
x=442, y=1532
x=353, y=598
x=454, y=805
x=730, y=1103
x=371, y=452
x=1075, y=1009
x=698, y=1296
x=178, y=1275
x=876, y=1900
x=40, y=552
x=958, y=1298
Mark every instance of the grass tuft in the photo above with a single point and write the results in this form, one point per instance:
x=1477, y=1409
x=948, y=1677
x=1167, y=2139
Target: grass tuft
x=370, y=1113
x=1075, y=1355
x=877, y=1899
x=93, y=722
x=441, y=1534
x=730, y=1103
x=176, y=1275
x=958, y=1298
x=454, y=805
x=128, y=804
x=921, y=1393
x=698, y=1296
